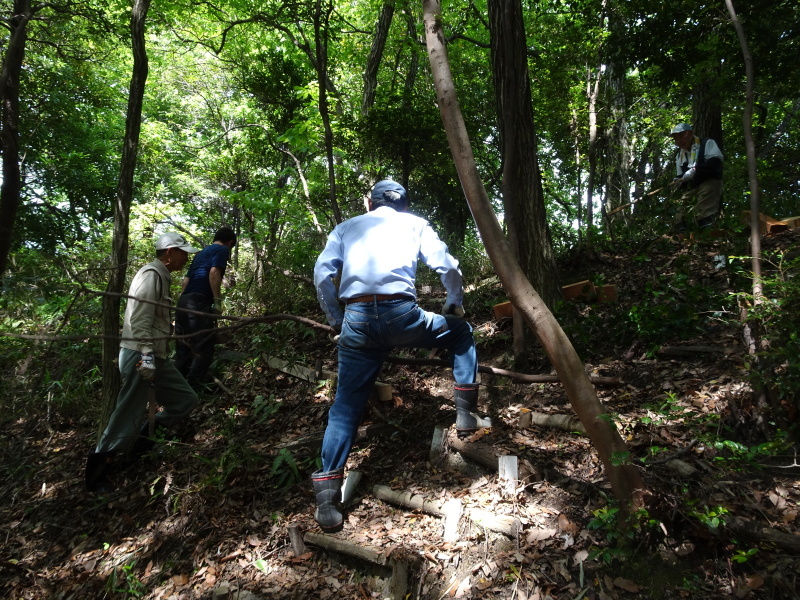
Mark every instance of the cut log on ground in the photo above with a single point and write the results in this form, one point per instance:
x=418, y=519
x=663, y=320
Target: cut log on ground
x=405, y=579
x=504, y=524
x=565, y=422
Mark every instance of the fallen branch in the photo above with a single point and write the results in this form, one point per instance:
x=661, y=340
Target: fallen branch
x=751, y=530
x=689, y=350
x=363, y=433
x=520, y=377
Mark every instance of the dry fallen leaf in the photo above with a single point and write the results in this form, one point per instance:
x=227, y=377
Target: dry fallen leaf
x=754, y=581
x=536, y=535
x=565, y=525
x=626, y=585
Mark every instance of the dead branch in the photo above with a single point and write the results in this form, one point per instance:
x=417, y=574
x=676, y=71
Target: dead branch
x=756, y=532
x=520, y=377
x=364, y=432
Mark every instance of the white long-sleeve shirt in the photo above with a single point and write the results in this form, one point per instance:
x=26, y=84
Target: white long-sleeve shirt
x=378, y=253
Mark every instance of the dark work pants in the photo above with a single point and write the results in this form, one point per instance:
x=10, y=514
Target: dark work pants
x=193, y=355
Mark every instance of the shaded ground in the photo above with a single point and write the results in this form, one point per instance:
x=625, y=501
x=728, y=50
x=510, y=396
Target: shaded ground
x=207, y=515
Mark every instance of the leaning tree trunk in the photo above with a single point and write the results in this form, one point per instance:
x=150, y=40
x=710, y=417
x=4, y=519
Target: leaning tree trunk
x=122, y=210
x=625, y=480
x=523, y=197
x=11, y=187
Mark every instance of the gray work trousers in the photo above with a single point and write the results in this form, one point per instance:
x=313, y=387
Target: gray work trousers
x=706, y=198
x=172, y=392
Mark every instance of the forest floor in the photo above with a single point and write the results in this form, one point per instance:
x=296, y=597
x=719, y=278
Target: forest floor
x=209, y=513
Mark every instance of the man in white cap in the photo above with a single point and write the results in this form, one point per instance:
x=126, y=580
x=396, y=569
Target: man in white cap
x=376, y=254
x=699, y=174
x=143, y=362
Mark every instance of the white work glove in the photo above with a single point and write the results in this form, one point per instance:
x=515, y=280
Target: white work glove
x=146, y=367
x=336, y=334
x=689, y=175
x=218, y=306
x=453, y=311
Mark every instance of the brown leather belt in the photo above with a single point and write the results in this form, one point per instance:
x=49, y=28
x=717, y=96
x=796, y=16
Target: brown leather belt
x=378, y=298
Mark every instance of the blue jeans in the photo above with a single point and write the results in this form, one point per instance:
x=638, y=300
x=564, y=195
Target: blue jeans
x=369, y=332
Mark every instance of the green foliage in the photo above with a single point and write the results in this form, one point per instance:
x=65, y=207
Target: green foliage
x=285, y=470
x=737, y=454
x=711, y=517
x=742, y=556
x=672, y=306
x=778, y=318
x=124, y=581
x=621, y=535
x=264, y=409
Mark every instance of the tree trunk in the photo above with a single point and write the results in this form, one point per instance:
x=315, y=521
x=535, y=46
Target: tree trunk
x=707, y=110
x=321, y=17
x=375, y=55
x=122, y=210
x=592, y=93
x=623, y=476
x=617, y=155
x=752, y=168
x=523, y=202
x=9, y=94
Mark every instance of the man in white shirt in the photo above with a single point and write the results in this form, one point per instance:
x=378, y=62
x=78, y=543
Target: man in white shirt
x=376, y=255
x=699, y=174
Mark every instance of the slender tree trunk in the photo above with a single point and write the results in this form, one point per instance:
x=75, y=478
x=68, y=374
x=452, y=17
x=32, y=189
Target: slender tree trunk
x=752, y=166
x=122, y=210
x=321, y=17
x=375, y=55
x=753, y=328
x=625, y=480
x=592, y=93
x=11, y=188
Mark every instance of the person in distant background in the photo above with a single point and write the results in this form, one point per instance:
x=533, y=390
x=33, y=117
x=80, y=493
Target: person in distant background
x=377, y=254
x=699, y=175
x=143, y=363
x=202, y=292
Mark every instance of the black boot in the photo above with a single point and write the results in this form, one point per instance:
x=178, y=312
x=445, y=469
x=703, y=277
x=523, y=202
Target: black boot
x=143, y=444
x=97, y=468
x=328, y=489
x=468, y=421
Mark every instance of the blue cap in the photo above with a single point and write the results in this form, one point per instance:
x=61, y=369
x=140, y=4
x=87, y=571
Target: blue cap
x=387, y=185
